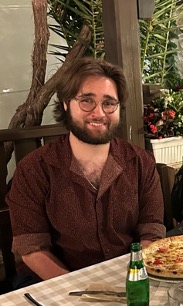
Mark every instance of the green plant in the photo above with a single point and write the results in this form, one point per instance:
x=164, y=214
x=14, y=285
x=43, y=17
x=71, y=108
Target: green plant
x=71, y=15
x=157, y=38
x=157, y=35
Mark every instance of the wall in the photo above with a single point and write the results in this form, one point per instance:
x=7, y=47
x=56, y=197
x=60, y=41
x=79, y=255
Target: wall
x=16, y=41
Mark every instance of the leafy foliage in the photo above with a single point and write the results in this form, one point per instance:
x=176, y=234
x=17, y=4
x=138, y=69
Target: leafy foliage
x=157, y=35
x=157, y=42
x=71, y=15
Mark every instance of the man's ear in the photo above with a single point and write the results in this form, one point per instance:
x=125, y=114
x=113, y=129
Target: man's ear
x=65, y=106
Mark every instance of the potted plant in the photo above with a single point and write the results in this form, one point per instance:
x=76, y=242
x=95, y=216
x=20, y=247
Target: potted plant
x=163, y=126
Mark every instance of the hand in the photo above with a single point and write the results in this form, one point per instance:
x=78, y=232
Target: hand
x=145, y=243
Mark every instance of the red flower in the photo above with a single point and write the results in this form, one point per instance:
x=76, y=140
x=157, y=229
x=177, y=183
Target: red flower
x=171, y=113
x=168, y=114
x=153, y=128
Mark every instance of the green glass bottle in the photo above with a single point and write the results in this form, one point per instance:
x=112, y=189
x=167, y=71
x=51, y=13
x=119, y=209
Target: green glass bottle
x=137, y=281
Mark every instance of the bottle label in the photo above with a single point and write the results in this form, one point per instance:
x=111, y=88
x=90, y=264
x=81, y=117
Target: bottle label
x=137, y=274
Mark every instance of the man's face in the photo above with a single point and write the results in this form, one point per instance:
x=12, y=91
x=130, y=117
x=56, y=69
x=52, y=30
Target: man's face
x=96, y=126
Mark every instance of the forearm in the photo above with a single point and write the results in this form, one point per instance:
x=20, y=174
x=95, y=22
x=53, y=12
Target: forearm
x=44, y=264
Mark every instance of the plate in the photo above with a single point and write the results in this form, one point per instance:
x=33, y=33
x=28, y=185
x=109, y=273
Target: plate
x=166, y=280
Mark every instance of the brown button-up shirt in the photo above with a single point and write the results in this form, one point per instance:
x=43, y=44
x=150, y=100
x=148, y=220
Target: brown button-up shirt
x=53, y=206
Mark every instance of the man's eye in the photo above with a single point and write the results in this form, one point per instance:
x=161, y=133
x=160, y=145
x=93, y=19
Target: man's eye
x=86, y=100
x=109, y=103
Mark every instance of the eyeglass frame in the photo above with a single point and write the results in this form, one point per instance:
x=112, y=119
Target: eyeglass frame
x=95, y=105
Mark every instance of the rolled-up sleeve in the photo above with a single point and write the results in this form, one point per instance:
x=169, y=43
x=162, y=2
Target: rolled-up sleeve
x=28, y=192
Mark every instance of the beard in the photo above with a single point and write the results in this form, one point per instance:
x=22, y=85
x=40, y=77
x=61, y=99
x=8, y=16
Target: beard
x=85, y=135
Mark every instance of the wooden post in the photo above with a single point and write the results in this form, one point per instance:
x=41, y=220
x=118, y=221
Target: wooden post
x=121, y=33
x=145, y=8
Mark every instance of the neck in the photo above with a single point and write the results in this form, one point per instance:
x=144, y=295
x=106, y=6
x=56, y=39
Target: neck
x=85, y=151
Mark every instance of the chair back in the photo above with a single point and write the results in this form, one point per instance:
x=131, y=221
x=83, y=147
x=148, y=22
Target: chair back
x=166, y=189
x=24, y=141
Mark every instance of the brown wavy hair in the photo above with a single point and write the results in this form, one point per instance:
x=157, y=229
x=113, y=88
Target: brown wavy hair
x=76, y=73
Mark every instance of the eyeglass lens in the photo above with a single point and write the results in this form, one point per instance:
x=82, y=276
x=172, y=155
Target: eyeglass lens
x=87, y=105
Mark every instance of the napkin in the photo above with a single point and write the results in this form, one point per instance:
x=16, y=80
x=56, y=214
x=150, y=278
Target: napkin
x=102, y=297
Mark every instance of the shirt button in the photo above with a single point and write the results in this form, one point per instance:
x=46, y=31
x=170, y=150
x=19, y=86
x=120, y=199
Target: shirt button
x=107, y=251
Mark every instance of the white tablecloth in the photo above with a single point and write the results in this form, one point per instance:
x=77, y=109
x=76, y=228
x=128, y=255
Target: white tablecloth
x=54, y=292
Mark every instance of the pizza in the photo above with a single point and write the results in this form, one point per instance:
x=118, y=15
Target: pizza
x=164, y=257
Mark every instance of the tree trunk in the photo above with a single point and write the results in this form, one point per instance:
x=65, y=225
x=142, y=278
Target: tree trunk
x=30, y=113
x=38, y=62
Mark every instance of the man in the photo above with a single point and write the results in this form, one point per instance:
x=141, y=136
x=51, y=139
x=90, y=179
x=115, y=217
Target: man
x=84, y=198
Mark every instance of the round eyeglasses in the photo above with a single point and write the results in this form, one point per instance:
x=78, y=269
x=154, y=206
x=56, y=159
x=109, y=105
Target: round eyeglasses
x=88, y=105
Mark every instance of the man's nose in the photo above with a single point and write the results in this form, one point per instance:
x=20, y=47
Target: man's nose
x=98, y=110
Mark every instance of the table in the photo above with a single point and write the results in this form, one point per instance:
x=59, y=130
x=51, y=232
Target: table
x=54, y=292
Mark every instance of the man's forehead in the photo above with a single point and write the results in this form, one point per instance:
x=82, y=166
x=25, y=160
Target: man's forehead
x=94, y=83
